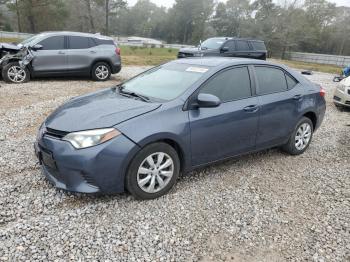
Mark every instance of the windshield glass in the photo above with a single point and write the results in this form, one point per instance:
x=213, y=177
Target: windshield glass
x=165, y=82
x=213, y=43
x=29, y=40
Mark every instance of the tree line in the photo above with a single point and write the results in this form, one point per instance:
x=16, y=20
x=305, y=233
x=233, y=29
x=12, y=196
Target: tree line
x=298, y=25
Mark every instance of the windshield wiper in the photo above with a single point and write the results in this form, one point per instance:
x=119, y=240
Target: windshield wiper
x=123, y=91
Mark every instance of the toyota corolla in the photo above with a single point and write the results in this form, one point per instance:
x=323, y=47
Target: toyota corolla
x=141, y=135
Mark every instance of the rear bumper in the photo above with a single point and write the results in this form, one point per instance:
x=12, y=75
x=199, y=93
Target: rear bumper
x=116, y=68
x=97, y=169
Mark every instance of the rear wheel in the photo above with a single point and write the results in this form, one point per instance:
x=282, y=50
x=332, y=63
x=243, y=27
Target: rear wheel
x=153, y=172
x=301, y=138
x=101, y=71
x=14, y=73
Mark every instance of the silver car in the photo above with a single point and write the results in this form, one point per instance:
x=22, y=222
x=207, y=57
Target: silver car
x=63, y=54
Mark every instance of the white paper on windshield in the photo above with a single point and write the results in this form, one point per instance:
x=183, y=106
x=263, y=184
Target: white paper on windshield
x=197, y=70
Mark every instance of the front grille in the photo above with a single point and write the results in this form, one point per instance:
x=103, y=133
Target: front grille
x=347, y=102
x=55, y=133
x=183, y=55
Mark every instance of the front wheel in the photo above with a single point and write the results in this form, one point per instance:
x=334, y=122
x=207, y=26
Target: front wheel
x=14, y=73
x=101, y=71
x=301, y=138
x=153, y=172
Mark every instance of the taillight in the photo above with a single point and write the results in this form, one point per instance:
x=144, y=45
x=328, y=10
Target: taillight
x=322, y=92
x=117, y=51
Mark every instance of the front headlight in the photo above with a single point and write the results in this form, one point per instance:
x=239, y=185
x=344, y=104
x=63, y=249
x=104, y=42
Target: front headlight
x=341, y=87
x=91, y=138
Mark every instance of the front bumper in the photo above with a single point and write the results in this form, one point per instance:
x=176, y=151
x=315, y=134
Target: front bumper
x=100, y=168
x=342, y=97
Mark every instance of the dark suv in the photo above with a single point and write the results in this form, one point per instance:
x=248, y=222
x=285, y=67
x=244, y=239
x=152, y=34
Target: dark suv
x=61, y=54
x=227, y=47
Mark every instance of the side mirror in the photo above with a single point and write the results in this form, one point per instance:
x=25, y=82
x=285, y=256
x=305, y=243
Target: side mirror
x=208, y=101
x=36, y=47
x=224, y=49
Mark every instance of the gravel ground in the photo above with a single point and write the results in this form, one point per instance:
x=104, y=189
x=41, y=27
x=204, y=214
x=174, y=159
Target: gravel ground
x=266, y=206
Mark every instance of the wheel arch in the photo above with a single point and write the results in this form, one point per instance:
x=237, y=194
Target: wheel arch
x=174, y=143
x=101, y=60
x=313, y=117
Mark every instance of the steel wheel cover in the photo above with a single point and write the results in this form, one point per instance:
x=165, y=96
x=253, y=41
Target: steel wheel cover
x=155, y=172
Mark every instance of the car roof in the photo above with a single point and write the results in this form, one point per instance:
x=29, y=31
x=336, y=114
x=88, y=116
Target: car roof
x=222, y=61
x=54, y=33
x=236, y=38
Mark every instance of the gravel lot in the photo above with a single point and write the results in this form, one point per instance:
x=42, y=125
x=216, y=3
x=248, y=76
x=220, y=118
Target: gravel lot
x=266, y=206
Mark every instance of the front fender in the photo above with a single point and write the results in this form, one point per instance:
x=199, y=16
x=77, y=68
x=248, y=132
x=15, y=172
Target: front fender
x=169, y=124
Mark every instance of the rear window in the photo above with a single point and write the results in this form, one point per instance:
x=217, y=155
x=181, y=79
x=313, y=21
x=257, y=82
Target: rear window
x=78, y=42
x=104, y=41
x=271, y=80
x=258, y=45
x=242, y=45
x=291, y=82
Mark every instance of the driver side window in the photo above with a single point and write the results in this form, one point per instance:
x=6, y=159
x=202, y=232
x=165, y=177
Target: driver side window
x=229, y=85
x=53, y=43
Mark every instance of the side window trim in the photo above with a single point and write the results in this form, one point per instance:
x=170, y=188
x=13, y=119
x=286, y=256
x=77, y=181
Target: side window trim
x=275, y=67
x=66, y=42
x=195, y=93
x=251, y=47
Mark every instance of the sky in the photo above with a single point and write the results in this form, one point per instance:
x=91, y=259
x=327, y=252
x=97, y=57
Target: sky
x=169, y=3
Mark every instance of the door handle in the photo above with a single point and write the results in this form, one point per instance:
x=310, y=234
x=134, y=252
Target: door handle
x=61, y=53
x=251, y=109
x=93, y=52
x=298, y=97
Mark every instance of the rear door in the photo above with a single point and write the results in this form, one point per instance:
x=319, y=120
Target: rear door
x=279, y=103
x=81, y=53
x=243, y=49
x=52, y=57
x=259, y=50
x=229, y=129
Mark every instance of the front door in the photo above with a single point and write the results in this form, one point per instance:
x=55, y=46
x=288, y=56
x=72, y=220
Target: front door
x=52, y=57
x=229, y=129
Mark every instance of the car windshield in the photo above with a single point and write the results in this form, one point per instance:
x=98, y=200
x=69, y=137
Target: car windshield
x=165, y=82
x=212, y=43
x=29, y=40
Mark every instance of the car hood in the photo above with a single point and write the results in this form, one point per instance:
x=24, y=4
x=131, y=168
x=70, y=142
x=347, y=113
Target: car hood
x=102, y=109
x=346, y=81
x=195, y=50
x=190, y=50
x=9, y=47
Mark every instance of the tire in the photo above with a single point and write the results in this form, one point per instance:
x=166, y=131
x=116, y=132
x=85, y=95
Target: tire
x=292, y=147
x=340, y=107
x=13, y=73
x=101, y=71
x=140, y=176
